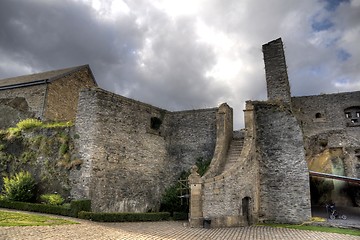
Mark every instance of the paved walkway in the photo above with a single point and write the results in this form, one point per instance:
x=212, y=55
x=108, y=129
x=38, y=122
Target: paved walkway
x=87, y=230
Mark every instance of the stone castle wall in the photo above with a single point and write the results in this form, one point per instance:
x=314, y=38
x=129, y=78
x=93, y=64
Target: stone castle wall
x=283, y=173
x=56, y=100
x=62, y=95
x=128, y=163
x=327, y=130
x=190, y=135
x=33, y=95
x=325, y=112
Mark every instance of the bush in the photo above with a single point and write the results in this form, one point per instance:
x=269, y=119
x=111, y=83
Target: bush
x=52, y=199
x=36, y=207
x=203, y=165
x=19, y=187
x=72, y=211
x=80, y=205
x=124, y=217
x=171, y=202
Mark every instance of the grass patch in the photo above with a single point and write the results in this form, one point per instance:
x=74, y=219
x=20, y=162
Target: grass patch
x=31, y=123
x=10, y=219
x=353, y=232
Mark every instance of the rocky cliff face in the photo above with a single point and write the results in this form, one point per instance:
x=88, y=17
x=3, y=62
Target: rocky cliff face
x=47, y=153
x=324, y=156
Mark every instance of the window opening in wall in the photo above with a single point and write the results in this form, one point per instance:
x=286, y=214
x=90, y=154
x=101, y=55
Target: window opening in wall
x=155, y=123
x=318, y=115
x=352, y=115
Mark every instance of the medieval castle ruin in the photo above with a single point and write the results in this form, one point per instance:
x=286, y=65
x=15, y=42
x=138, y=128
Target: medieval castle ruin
x=132, y=151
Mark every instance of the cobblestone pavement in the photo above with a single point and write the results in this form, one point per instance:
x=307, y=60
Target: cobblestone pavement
x=87, y=230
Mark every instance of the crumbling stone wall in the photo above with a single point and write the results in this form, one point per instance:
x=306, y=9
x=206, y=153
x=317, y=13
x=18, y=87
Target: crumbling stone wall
x=34, y=96
x=326, y=127
x=15, y=109
x=325, y=112
x=63, y=93
x=128, y=163
x=284, y=178
x=278, y=87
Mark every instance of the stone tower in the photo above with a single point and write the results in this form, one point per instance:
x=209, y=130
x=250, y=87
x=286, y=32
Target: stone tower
x=278, y=87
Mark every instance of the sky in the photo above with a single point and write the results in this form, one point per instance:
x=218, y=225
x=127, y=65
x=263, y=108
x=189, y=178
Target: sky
x=185, y=54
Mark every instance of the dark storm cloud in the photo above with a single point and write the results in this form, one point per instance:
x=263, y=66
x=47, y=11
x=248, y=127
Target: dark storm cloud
x=45, y=35
x=146, y=53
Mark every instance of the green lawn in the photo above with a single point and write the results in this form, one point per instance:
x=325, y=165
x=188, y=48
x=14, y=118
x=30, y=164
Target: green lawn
x=316, y=228
x=8, y=219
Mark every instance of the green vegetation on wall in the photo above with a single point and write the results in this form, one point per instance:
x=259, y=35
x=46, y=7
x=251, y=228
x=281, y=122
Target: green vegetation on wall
x=175, y=199
x=46, y=150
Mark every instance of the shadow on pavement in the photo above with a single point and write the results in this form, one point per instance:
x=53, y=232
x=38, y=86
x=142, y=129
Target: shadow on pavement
x=352, y=213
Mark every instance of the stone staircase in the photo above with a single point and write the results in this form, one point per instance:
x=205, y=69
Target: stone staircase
x=234, y=151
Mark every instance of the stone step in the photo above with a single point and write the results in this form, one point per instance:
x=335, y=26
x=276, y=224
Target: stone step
x=234, y=151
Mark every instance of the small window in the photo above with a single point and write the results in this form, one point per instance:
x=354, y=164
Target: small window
x=318, y=115
x=352, y=115
x=155, y=123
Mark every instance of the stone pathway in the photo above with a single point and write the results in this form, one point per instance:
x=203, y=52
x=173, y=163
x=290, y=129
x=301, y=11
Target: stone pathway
x=87, y=230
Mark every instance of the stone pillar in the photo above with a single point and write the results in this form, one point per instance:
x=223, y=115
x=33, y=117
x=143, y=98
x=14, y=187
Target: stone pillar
x=277, y=82
x=249, y=119
x=196, y=185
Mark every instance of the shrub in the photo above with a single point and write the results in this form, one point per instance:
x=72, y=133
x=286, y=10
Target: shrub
x=36, y=207
x=52, y=199
x=69, y=210
x=80, y=205
x=173, y=200
x=19, y=187
x=203, y=165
